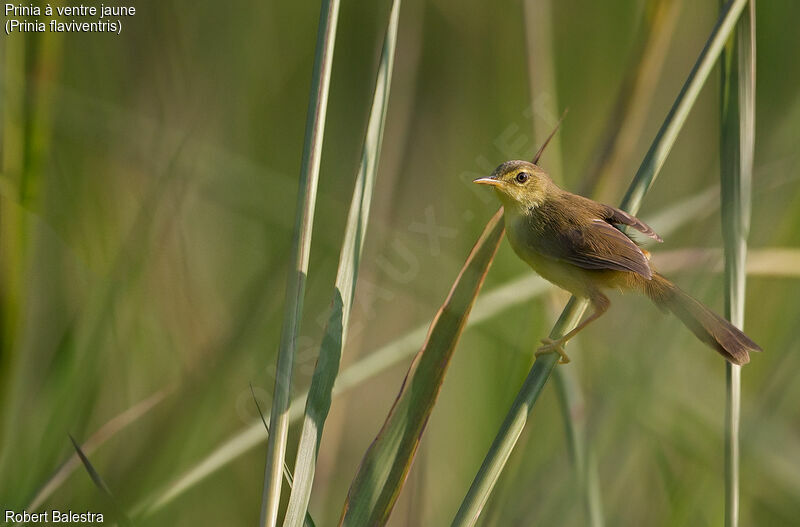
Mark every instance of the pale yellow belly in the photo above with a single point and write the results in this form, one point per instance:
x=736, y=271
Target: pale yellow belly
x=564, y=275
x=577, y=280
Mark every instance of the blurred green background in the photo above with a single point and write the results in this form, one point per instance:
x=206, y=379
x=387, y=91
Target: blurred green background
x=148, y=193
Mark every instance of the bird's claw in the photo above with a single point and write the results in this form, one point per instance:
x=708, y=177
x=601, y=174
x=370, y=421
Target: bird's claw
x=550, y=346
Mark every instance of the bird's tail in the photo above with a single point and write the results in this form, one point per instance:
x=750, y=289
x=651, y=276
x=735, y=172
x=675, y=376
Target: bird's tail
x=709, y=327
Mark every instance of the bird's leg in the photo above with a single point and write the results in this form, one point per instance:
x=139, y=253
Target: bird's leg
x=600, y=303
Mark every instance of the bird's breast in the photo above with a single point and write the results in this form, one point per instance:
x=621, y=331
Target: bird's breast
x=528, y=243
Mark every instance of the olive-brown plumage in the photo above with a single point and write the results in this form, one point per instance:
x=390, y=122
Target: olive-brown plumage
x=572, y=241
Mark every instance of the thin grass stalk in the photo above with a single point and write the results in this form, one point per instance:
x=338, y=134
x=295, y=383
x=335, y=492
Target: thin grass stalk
x=737, y=143
x=624, y=125
x=308, y=521
x=109, y=497
x=573, y=411
x=662, y=144
x=327, y=368
x=40, y=116
x=103, y=434
x=542, y=76
x=594, y=503
x=775, y=262
x=543, y=366
x=298, y=267
x=515, y=421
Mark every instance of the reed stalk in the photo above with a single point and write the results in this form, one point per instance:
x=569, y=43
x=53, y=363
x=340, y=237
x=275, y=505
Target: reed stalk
x=326, y=370
x=298, y=266
x=737, y=144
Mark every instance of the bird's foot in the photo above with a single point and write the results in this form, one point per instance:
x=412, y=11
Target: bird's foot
x=550, y=346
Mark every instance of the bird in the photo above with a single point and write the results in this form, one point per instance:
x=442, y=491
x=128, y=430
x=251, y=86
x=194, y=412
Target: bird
x=575, y=243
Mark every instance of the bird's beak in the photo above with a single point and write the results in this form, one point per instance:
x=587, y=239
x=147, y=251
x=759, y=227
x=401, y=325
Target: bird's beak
x=488, y=181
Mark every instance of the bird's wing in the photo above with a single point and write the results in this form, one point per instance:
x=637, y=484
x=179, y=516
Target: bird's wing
x=599, y=245
x=614, y=215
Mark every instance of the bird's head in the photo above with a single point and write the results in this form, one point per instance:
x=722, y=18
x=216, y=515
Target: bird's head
x=520, y=185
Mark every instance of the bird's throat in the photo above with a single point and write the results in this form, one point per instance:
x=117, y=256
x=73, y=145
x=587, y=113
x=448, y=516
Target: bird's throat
x=516, y=205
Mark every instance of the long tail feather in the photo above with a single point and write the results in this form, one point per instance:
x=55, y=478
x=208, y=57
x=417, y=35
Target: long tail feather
x=709, y=327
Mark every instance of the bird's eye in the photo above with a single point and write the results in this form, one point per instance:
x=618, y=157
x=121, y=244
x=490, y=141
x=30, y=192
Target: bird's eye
x=522, y=177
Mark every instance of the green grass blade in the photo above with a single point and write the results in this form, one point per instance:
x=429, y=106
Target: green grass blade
x=628, y=115
x=662, y=144
x=517, y=416
x=383, y=470
x=298, y=267
x=539, y=40
x=319, y=396
x=308, y=521
x=737, y=143
x=573, y=412
x=101, y=485
x=515, y=421
x=774, y=262
x=103, y=434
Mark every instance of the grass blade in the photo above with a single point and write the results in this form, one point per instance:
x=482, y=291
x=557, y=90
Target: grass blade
x=542, y=88
x=98, y=481
x=623, y=128
x=662, y=144
x=543, y=366
x=774, y=262
x=573, y=411
x=308, y=521
x=319, y=396
x=514, y=422
x=737, y=143
x=385, y=466
x=539, y=152
x=103, y=434
x=298, y=267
